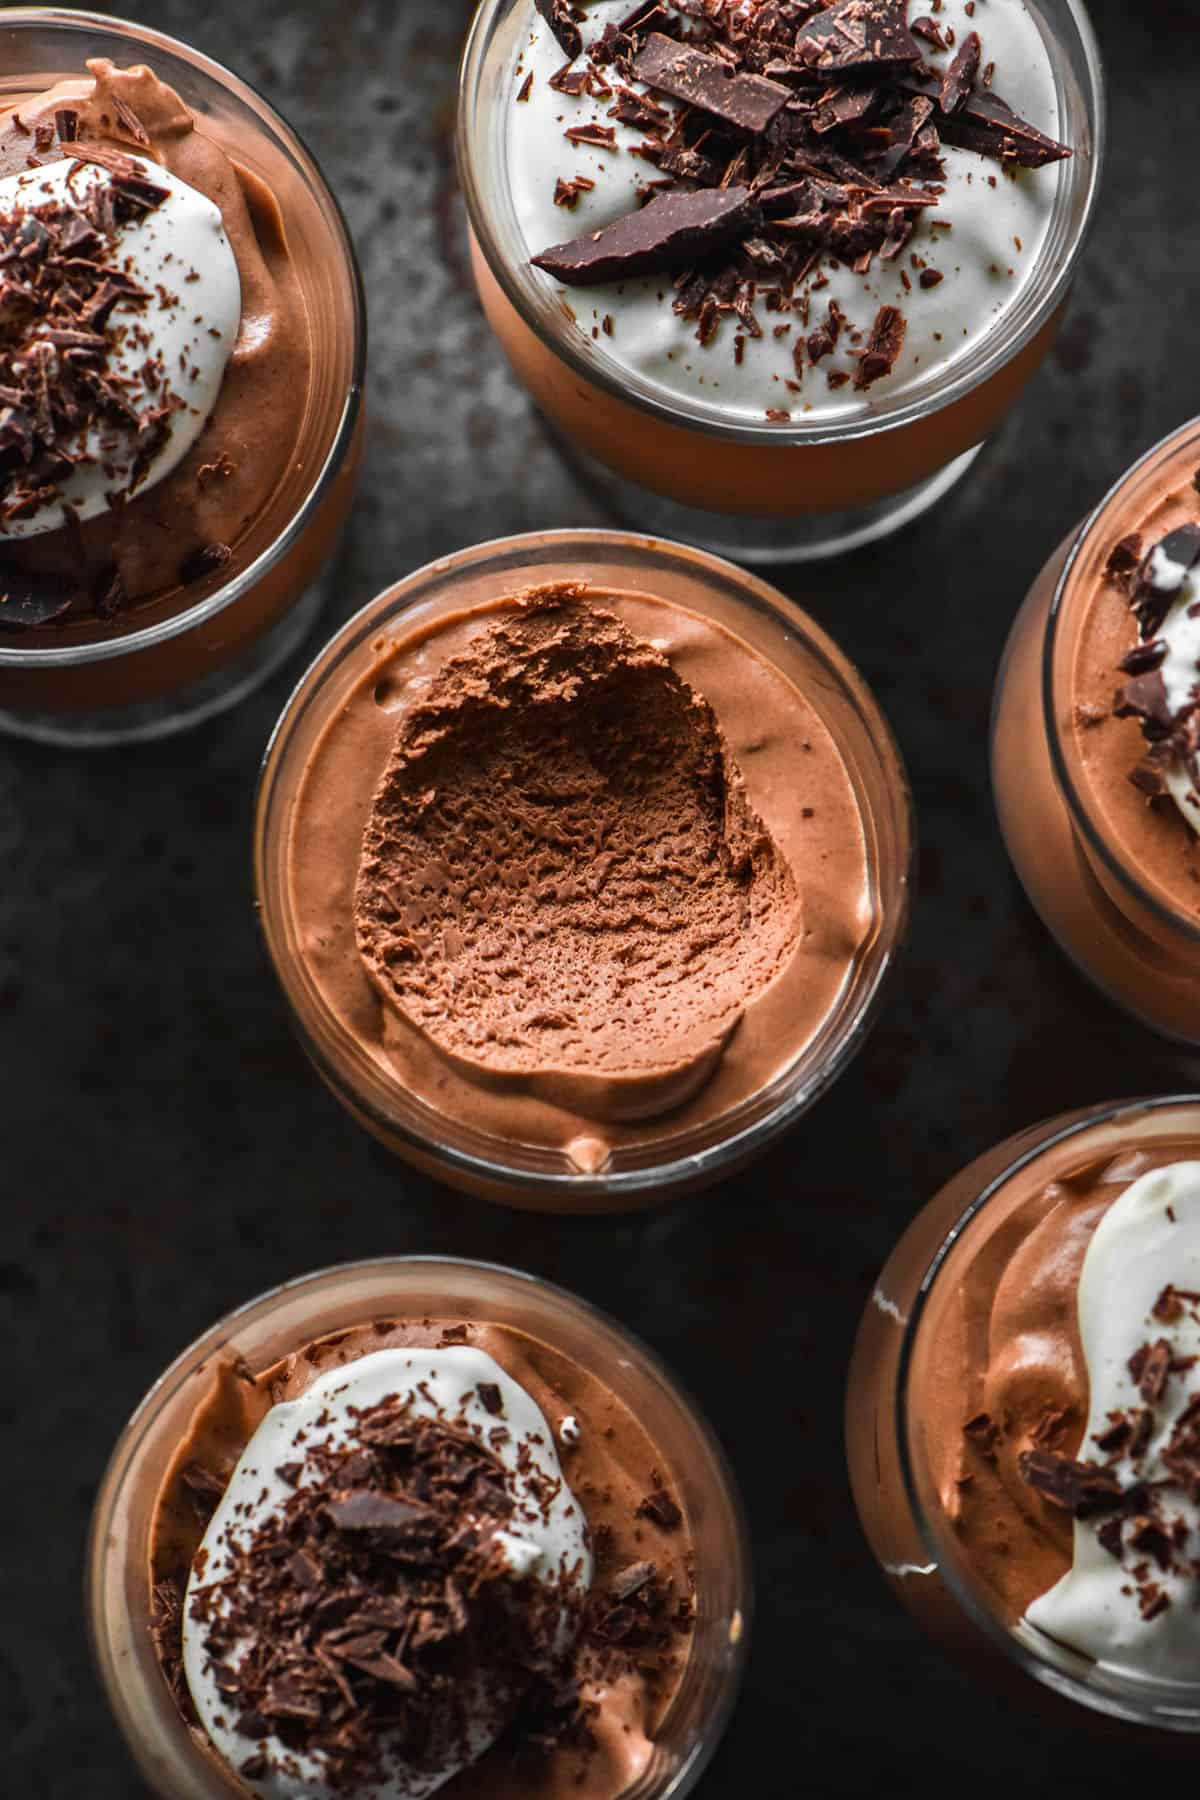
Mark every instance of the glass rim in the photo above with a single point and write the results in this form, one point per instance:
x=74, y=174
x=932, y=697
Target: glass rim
x=1021, y=1650
x=1098, y=843
x=626, y=387
x=682, y=1166
x=223, y=1332
x=149, y=637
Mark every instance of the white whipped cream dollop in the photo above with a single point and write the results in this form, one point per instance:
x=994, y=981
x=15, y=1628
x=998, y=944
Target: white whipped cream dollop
x=1147, y=1241
x=998, y=221
x=546, y=1538
x=1180, y=669
x=179, y=255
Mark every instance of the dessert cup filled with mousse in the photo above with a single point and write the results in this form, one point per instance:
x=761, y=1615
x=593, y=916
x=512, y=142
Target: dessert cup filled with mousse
x=1023, y=1416
x=419, y=1526
x=771, y=270
x=181, y=357
x=1096, y=742
x=582, y=860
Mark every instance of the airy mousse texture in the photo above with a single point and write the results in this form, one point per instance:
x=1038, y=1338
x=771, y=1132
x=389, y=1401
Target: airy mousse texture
x=1054, y=1393
x=575, y=861
x=417, y=1556
x=785, y=207
x=154, y=355
x=562, y=878
x=1136, y=713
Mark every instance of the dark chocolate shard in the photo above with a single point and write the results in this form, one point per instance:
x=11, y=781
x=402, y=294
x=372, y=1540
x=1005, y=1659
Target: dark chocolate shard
x=632, y=1580
x=748, y=102
x=28, y=599
x=959, y=78
x=1081, y=1488
x=858, y=34
x=1150, y=1366
x=988, y=125
x=1145, y=698
x=660, y=1509
x=1161, y=575
x=387, y=1520
x=670, y=232
x=557, y=14
x=883, y=346
x=204, y=561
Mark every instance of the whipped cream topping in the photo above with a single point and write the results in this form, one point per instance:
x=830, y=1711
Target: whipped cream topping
x=1129, y=1599
x=1180, y=671
x=546, y=1538
x=998, y=219
x=179, y=256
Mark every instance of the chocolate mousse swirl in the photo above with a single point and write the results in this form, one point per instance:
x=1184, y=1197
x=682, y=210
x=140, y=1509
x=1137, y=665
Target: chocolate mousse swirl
x=149, y=545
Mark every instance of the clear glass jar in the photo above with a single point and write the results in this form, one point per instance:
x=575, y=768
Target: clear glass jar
x=894, y=1486
x=98, y=684
x=171, y=1759
x=1129, y=936
x=764, y=492
x=672, y=1159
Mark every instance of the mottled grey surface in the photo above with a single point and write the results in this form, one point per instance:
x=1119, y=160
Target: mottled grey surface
x=166, y=1152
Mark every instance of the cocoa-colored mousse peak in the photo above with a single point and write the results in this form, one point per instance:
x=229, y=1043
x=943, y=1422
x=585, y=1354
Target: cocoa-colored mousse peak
x=563, y=882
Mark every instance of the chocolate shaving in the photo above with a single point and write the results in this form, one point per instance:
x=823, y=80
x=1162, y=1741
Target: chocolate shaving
x=883, y=346
x=858, y=35
x=1081, y=1488
x=959, y=78
x=557, y=14
x=1125, y=555
x=672, y=230
x=1150, y=1366
x=748, y=102
x=659, y=1507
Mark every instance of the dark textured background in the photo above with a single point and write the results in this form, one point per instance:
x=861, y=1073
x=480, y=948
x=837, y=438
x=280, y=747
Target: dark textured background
x=165, y=1152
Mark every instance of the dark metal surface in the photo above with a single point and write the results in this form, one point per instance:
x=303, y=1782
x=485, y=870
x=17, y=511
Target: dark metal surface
x=166, y=1153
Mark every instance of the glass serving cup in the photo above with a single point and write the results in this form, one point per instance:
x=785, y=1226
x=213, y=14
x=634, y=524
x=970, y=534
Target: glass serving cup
x=449, y=1147
x=172, y=1759
x=763, y=492
x=1126, y=935
x=894, y=1488
x=97, y=685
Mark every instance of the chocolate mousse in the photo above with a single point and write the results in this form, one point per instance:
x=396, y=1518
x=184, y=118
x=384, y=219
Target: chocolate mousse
x=785, y=208
x=578, y=867
x=418, y=1555
x=154, y=356
x=1137, y=693
x=1054, y=1393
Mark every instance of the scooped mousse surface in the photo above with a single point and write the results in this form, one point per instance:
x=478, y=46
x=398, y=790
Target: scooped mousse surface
x=154, y=355
x=1055, y=1387
x=786, y=210
x=1136, y=713
x=562, y=879
x=420, y=1556
x=578, y=867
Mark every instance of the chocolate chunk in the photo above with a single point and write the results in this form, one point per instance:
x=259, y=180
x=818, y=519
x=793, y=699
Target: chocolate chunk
x=1144, y=658
x=959, y=78
x=883, y=346
x=1161, y=575
x=489, y=1396
x=557, y=14
x=1146, y=1533
x=1125, y=555
x=1108, y=1536
x=630, y=1581
x=988, y=125
x=66, y=123
x=748, y=102
x=1145, y=698
x=204, y=562
x=1150, y=1366
x=28, y=598
x=659, y=1507
x=1081, y=1488
x=858, y=34
x=389, y=1521
x=671, y=231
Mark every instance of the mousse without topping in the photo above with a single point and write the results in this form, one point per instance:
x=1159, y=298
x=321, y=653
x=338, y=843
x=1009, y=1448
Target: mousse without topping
x=578, y=868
